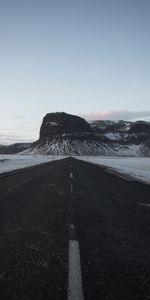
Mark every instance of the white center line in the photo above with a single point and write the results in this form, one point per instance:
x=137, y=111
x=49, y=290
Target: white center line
x=75, y=290
x=144, y=204
x=71, y=188
x=71, y=175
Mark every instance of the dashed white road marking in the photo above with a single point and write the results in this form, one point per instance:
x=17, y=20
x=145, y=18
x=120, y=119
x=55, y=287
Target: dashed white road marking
x=72, y=227
x=71, y=188
x=71, y=175
x=145, y=204
x=75, y=290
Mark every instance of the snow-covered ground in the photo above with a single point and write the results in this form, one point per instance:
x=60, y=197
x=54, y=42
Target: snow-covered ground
x=14, y=162
x=138, y=168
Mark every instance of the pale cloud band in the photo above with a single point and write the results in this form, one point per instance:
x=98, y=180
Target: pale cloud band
x=8, y=139
x=17, y=135
x=118, y=115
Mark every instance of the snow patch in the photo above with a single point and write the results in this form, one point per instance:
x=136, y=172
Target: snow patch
x=138, y=168
x=14, y=162
x=51, y=123
x=113, y=136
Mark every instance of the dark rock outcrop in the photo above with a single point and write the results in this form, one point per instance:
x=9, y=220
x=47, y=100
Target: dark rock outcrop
x=56, y=124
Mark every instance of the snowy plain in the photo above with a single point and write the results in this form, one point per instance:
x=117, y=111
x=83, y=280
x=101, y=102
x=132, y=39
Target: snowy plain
x=14, y=162
x=134, y=167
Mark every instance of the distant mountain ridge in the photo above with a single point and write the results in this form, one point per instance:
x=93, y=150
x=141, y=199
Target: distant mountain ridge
x=65, y=134
x=14, y=148
x=126, y=138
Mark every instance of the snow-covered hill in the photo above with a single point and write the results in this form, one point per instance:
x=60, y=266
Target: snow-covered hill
x=66, y=146
x=125, y=138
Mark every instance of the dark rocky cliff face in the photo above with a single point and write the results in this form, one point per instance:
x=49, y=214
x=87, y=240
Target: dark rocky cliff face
x=56, y=124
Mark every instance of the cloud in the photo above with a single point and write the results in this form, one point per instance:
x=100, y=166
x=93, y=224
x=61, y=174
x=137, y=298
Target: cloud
x=8, y=139
x=17, y=135
x=118, y=115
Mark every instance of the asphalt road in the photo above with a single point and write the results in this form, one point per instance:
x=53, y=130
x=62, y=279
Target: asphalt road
x=69, y=203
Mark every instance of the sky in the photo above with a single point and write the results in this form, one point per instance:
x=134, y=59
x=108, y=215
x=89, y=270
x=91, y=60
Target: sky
x=84, y=57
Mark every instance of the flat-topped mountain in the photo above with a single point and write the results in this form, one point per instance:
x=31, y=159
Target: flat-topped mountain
x=65, y=134
x=61, y=123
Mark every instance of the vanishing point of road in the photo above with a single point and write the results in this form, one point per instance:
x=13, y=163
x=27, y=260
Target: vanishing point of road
x=69, y=230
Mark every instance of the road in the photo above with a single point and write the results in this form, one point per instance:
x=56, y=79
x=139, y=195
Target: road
x=70, y=230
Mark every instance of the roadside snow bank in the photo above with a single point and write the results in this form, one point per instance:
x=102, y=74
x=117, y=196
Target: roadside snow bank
x=138, y=168
x=14, y=162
